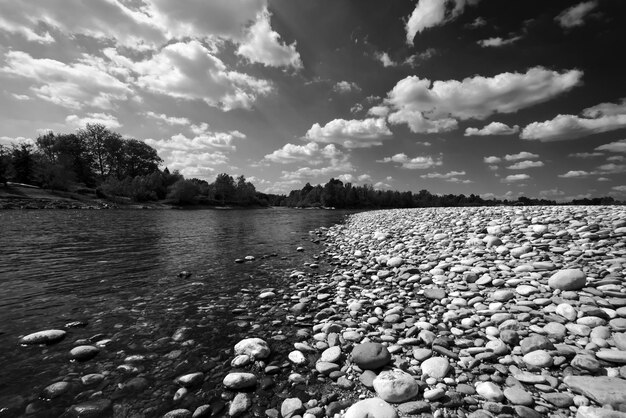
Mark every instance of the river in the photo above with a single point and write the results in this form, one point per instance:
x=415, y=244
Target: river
x=118, y=272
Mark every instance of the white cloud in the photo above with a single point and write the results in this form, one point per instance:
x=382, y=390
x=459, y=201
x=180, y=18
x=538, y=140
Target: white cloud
x=381, y=186
x=73, y=85
x=364, y=178
x=346, y=87
x=575, y=15
x=169, y=120
x=611, y=168
x=434, y=106
x=494, y=128
x=618, y=158
x=619, y=188
x=351, y=133
x=551, y=193
x=523, y=155
x=603, y=179
x=105, y=119
x=515, y=177
x=443, y=176
x=431, y=13
x=498, y=41
x=492, y=160
x=262, y=45
x=190, y=71
x=9, y=141
x=523, y=165
x=21, y=96
x=574, y=173
x=357, y=108
x=586, y=154
x=617, y=146
x=379, y=111
x=311, y=153
x=416, y=59
x=605, y=109
x=564, y=127
x=417, y=163
x=384, y=58
x=197, y=156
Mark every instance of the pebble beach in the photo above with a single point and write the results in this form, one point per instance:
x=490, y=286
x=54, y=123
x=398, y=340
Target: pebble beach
x=443, y=312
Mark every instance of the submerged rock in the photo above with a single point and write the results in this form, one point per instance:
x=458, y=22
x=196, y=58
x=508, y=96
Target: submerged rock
x=49, y=336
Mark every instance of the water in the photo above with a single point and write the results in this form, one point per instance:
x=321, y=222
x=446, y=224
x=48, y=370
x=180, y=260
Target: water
x=118, y=272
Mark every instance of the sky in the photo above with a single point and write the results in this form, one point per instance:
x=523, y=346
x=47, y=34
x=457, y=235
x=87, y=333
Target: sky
x=500, y=99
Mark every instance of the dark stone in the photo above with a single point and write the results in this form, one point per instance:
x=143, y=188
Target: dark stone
x=370, y=356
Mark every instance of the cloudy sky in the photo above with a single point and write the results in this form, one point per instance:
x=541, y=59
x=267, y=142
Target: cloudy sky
x=454, y=96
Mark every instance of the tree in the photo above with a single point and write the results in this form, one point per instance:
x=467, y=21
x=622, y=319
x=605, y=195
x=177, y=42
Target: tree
x=245, y=192
x=183, y=192
x=224, y=188
x=139, y=158
x=5, y=162
x=23, y=162
x=101, y=142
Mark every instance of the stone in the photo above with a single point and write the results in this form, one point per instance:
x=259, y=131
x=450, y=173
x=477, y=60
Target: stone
x=190, y=380
x=538, y=359
x=326, y=367
x=601, y=389
x=97, y=408
x=395, y=386
x=395, y=262
x=518, y=396
x=178, y=413
x=240, y=404
x=331, y=354
x=567, y=311
x=253, y=347
x=591, y=412
x=370, y=356
x=203, y=411
x=502, y=295
x=489, y=391
x=367, y=379
x=239, y=380
x=297, y=358
x=568, y=279
x=413, y=407
x=49, y=336
x=436, y=367
x=92, y=379
x=613, y=356
x=535, y=342
x=371, y=408
x=56, y=390
x=434, y=293
x=560, y=400
x=291, y=407
x=84, y=352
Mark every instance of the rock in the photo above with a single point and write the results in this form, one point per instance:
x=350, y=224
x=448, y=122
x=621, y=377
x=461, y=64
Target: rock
x=613, y=356
x=535, y=342
x=560, y=400
x=239, y=380
x=434, y=293
x=56, y=390
x=413, y=407
x=291, y=407
x=568, y=279
x=538, y=359
x=178, y=413
x=436, y=367
x=518, y=396
x=326, y=367
x=92, y=379
x=371, y=408
x=297, y=358
x=95, y=409
x=489, y=391
x=395, y=262
x=601, y=389
x=590, y=412
x=253, y=347
x=49, y=336
x=367, y=379
x=502, y=295
x=84, y=352
x=190, y=380
x=331, y=354
x=239, y=404
x=203, y=411
x=395, y=386
x=567, y=311
x=370, y=356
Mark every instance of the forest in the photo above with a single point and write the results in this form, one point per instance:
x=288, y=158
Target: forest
x=97, y=159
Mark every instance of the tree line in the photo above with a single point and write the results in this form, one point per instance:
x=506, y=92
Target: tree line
x=97, y=159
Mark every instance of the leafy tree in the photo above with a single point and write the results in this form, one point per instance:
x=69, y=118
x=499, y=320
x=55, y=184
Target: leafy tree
x=23, y=162
x=183, y=192
x=139, y=158
x=224, y=188
x=102, y=144
x=5, y=163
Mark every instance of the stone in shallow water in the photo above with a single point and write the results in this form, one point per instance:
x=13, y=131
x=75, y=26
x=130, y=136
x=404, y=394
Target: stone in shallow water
x=568, y=279
x=190, y=380
x=370, y=356
x=395, y=386
x=239, y=380
x=253, y=347
x=98, y=408
x=49, y=336
x=602, y=389
x=84, y=352
x=56, y=389
x=371, y=408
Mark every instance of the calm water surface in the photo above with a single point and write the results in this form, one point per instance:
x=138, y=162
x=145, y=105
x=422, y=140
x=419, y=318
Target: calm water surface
x=117, y=271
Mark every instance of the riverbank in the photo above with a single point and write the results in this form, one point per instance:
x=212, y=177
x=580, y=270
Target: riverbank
x=458, y=312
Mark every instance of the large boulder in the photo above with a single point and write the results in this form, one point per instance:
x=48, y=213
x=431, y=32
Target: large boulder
x=395, y=386
x=370, y=356
x=239, y=380
x=568, y=279
x=601, y=389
